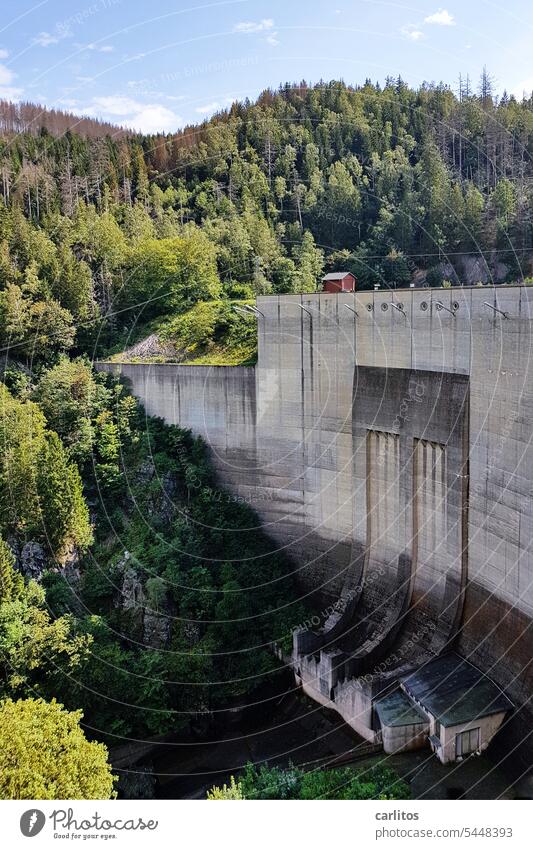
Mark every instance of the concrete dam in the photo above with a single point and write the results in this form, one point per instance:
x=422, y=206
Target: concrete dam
x=384, y=440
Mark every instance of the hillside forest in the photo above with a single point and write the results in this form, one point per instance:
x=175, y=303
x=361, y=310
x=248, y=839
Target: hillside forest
x=108, y=238
x=134, y=591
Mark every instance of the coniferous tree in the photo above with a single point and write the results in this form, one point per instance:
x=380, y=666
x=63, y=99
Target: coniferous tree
x=64, y=512
x=11, y=581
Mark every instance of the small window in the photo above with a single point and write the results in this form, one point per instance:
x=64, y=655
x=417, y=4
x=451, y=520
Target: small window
x=467, y=742
x=437, y=728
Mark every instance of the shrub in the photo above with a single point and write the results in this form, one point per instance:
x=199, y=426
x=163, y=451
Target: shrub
x=239, y=291
x=234, y=791
x=266, y=782
x=44, y=754
x=434, y=276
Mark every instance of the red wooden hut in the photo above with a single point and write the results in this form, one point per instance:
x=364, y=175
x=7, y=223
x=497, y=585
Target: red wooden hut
x=339, y=281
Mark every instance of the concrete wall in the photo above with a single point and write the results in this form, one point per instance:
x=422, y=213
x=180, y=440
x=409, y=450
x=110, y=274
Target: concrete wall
x=404, y=738
x=217, y=403
x=488, y=726
x=352, y=698
x=356, y=478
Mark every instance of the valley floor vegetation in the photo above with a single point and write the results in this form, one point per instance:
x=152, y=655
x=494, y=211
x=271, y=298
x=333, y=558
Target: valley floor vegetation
x=264, y=782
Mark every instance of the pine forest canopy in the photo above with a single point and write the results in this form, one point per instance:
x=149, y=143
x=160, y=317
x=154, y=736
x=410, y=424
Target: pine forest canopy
x=381, y=181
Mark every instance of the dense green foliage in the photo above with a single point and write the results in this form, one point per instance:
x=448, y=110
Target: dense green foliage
x=212, y=332
x=166, y=275
x=101, y=235
x=37, y=652
x=44, y=754
x=40, y=489
x=199, y=560
x=179, y=597
x=266, y=782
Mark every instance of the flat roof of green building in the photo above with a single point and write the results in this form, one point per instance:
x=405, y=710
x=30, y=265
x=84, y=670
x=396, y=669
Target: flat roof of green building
x=455, y=691
x=397, y=709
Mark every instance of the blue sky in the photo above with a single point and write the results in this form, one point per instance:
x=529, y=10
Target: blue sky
x=159, y=65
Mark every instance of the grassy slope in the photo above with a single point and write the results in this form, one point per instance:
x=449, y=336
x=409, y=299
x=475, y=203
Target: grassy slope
x=211, y=333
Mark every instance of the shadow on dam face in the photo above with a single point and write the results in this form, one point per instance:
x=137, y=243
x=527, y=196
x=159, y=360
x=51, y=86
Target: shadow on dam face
x=389, y=454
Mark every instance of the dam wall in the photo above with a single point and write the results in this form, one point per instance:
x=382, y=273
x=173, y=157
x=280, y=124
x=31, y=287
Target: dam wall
x=384, y=439
x=218, y=404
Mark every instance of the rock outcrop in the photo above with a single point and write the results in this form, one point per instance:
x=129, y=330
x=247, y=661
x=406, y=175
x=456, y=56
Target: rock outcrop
x=33, y=560
x=152, y=626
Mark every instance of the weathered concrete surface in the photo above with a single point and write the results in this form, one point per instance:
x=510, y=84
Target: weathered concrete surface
x=358, y=480
x=218, y=403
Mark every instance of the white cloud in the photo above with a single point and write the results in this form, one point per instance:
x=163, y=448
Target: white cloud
x=155, y=118
x=264, y=25
x=60, y=31
x=45, y=39
x=215, y=105
x=9, y=92
x=525, y=87
x=6, y=75
x=104, y=48
x=3, y=54
x=145, y=88
x=115, y=104
x=145, y=117
x=411, y=31
x=209, y=107
x=442, y=18
x=254, y=26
